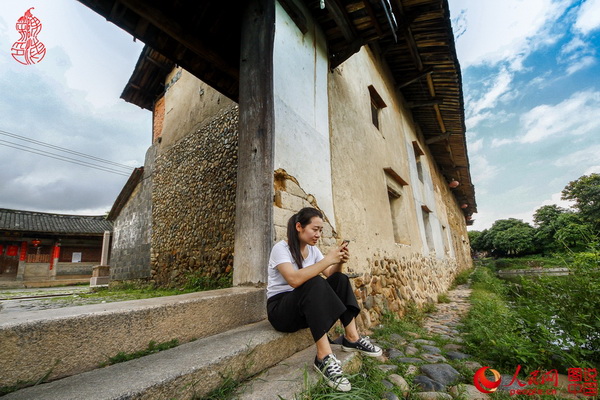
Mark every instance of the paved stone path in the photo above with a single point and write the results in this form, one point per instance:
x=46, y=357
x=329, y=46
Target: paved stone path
x=428, y=364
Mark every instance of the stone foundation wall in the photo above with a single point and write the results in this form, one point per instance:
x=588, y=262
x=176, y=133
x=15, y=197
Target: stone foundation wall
x=393, y=282
x=130, y=253
x=193, y=214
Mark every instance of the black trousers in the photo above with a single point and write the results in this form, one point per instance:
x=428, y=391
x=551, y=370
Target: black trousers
x=316, y=304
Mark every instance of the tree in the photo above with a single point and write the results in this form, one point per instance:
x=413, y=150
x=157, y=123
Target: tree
x=573, y=233
x=585, y=191
x=510, y=237
x=548, y=220
x=515, y=241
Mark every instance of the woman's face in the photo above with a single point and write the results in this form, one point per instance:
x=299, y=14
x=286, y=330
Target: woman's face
x=311, y=233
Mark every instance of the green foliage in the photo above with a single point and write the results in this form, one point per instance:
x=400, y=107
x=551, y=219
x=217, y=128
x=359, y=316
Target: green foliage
x=531, y=261
x=547, y=322
x=443, y=298
x=585, y=191
x=196, y=281
x=462, y=277
x=152, y=348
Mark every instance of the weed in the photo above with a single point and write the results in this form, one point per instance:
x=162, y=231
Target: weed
x=443, y=298
x=152, y=348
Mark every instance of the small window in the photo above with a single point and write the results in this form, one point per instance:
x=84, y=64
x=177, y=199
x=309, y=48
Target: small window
x=418, y=154
x=398, y=213
x=377, y=104
x=428, y=231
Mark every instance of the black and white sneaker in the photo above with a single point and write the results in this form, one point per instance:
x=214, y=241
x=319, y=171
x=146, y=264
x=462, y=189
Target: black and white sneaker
x=331, y=369
x=363, y=345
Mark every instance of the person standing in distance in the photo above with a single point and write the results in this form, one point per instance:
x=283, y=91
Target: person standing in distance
x=298, y=297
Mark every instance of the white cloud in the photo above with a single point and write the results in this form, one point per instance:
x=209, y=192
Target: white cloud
x=578, y=54
x=588, y=17
x=500, y=86
x=502, y=142
x=594, y=169
x=475, y=146
x=581, y=64
x=492, y=32
x=589, y=154
x=481, y=170
x=473, y=121
x=577, y=115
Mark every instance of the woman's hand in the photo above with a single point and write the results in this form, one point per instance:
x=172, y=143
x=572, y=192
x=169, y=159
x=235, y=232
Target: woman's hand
x=337, y=255
x=346, y=255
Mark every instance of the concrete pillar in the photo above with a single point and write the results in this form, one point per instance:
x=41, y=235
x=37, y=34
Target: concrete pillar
x=105, y=248
x=21, y=271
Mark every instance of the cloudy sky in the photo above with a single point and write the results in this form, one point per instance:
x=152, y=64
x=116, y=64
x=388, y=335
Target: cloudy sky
x=531, y=79
x=69, y=99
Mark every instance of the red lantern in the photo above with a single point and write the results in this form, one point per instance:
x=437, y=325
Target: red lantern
x=464, y=206
x=454, y=183
x=36, y=242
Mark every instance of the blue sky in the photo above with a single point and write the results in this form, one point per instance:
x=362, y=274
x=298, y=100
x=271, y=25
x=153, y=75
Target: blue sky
x=531, y=84
x=531, y=81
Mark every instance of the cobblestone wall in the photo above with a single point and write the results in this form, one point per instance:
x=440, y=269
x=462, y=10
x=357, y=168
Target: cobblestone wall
x=194, y=203
x=393, y=282
x=130, y=253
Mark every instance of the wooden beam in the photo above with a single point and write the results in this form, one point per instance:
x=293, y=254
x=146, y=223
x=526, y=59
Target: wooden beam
x=157, y=17
x=414, y=78
x=341, y=19
x=254, y=194
x=371, y=13
x=430, y=102
x=437, y=138
x=394, y=175
x=404, y=26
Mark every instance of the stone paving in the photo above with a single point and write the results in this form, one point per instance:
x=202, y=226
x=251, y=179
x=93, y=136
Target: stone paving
x=429, y=365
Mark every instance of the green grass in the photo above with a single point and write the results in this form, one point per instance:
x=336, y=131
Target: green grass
x=531, y=261
x=152, y=348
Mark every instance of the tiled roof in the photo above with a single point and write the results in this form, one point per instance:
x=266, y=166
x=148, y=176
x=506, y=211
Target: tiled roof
x=32, y=221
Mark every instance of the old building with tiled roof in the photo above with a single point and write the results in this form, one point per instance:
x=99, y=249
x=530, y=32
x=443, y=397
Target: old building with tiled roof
x=38, y=249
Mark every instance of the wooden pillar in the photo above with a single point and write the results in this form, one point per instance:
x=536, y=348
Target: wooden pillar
x=254, y=195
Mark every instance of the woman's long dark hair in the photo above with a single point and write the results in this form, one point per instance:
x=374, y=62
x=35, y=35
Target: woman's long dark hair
x=303, y=216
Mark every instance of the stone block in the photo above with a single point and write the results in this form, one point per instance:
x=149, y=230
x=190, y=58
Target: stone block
x=33, y=341
x=281, y=216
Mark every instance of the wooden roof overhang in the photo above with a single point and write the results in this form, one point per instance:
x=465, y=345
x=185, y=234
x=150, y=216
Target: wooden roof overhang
x=414, y=37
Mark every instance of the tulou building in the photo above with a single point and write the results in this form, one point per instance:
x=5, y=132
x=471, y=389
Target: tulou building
x=353, y=107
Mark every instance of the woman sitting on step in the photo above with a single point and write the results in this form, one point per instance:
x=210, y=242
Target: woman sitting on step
x=298, y=297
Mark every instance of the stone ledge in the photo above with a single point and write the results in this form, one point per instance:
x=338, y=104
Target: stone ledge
x=189, y=371
x=73, y=340
x=287, y=378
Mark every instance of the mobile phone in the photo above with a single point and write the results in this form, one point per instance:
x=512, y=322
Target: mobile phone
x=345, y=242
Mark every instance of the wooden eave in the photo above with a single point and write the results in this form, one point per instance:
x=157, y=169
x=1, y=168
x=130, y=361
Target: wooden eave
x=147, y=83
x=203, y=37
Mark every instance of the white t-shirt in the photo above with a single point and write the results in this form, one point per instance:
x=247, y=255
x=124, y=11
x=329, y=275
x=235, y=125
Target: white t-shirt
x=281, y=254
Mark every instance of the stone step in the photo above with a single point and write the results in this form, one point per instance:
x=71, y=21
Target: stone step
x=291, y=376
x=68, y=341
x=186, y=372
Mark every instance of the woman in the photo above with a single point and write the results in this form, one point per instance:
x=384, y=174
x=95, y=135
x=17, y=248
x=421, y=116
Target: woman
x=298, y=297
